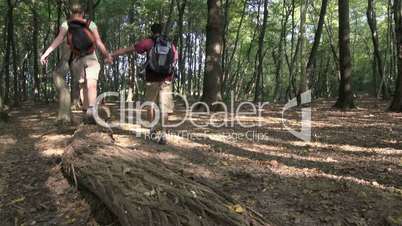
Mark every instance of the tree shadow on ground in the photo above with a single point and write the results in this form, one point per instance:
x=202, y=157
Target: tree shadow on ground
x=286, y=192
x=344, y=177
x=33, y=189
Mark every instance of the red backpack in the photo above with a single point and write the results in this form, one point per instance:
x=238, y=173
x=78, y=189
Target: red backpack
x=80, y=38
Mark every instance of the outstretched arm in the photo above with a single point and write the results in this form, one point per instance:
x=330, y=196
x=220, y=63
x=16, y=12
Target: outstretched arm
x=123, y=51
x=56, y=43
x=140, y=47
x=102, y=46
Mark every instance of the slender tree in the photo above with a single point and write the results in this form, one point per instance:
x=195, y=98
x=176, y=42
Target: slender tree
x=277, y=54
x=91, y=6
x=4, y=40
x=302, y=40
x=213, y=69
x=345, y=99
x=7, y=56
x=396, y=104
x=260, y=55
x=181, y=5
x=305, y=82
x=35, y=36
x=372, y=21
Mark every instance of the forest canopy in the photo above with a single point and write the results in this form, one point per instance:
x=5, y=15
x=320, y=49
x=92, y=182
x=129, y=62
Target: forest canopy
x=266, y=52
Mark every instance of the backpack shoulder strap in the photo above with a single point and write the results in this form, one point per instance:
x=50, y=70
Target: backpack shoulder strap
x=88, y=23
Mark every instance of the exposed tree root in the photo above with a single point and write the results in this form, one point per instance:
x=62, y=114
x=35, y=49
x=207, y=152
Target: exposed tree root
x=140, y=190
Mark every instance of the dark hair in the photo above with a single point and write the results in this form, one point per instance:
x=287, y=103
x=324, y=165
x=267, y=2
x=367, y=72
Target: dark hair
x=156, y=28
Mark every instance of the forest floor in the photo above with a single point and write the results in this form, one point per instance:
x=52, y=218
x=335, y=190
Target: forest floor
x=349, y=174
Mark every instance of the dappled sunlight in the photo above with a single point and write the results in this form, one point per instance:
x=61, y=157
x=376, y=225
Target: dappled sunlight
x=184, y=142
x=392, y=142
x=52, y=145
x=316, y=146
x=282, y=152
x=170, y=154
x=272, y=150
x=179, y=139
x=315, y=173
x=269, y=165
x=7, y=140
x=126, y=141
x=31, y=183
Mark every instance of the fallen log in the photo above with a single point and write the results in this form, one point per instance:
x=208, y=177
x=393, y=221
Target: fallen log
x=139, y=189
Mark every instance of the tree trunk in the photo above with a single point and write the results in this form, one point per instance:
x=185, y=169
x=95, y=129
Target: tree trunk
x=35, y=52
x=200, y=65
x=278, y=53
x=213, y=69
x=168, y=25
x=295, y=51
x=396, y=104
x=24, y=81
x=345, y=99
x=64, y=96
x=2, y=70
x=179, y=39
x=372, y=21
x=3, y=113
x=7, y=60
x=57, y=25
x=91, y=9
x=304, y=85
x=260, y=55
x=226, y=23
x=330, y=34
x=141, y=190
x=75, y=91
x=228, y=70
x=16, y=77
x=301, y=62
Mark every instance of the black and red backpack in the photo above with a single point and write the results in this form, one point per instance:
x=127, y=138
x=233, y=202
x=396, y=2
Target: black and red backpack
x=161, y=56
x=80, y=38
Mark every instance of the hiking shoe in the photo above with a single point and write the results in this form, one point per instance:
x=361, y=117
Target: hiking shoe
x=162, y=139
x=153, y=134
x=89, y=120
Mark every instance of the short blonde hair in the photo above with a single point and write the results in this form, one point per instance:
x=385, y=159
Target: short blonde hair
x=76, y=8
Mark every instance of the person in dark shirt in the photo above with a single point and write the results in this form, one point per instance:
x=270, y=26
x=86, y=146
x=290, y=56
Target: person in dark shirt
x=159, y=87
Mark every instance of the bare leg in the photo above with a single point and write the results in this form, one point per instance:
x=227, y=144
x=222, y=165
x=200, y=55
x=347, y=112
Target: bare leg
x=64, y=114
x=165, y=120
x=84, y=96
x=91, y=92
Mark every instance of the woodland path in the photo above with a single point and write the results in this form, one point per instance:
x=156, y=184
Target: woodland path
x=33, y=190
x=350, y=174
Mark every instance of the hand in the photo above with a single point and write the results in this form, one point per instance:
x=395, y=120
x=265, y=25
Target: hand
x=43, y=60
x=115, y=55
x=109, y=59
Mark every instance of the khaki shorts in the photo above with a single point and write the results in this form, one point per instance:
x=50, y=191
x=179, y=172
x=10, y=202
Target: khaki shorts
x=160, y=93
x=86, y=68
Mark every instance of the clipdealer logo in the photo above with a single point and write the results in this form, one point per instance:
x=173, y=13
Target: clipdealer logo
x=225, y=119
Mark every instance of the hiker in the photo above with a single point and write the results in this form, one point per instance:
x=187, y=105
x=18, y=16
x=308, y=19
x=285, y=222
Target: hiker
x=82, y=38
x=159, y=74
